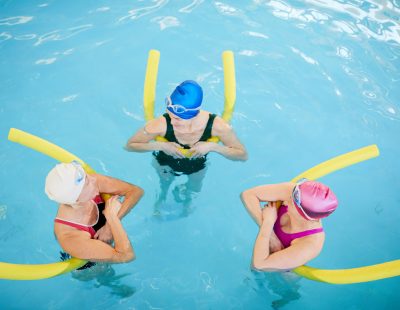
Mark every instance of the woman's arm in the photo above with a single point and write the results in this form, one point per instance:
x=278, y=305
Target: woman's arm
x=252, y=204
x=113, y=186
x=252, y=197
x=232, y=148
x=297, y=254
x=131, y=194
x=78, y=244
x=141, y=141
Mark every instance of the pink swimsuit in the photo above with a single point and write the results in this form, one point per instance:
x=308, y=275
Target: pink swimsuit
x=286, y=238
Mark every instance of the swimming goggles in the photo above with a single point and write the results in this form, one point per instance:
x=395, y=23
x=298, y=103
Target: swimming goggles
x=296, y=195
x=80, y=173
x=177, y=108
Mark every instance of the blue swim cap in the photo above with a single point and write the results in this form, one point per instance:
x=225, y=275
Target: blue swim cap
x=186, y=100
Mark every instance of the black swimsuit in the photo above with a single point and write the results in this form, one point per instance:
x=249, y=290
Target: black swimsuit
x=183, y=165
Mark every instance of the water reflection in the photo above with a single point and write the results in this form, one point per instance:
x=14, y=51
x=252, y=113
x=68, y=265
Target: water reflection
x=189, y=8
x=142, y=11
x=379, y=20
x=183, y=193
x=16, y=20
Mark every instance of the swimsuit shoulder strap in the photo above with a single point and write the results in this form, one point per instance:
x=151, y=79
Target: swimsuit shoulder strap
x=307, y=233
x=88, y=229
x=207, y=131
x=169, y=134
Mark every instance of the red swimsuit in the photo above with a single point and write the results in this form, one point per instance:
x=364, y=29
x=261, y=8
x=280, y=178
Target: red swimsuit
x=90, y=229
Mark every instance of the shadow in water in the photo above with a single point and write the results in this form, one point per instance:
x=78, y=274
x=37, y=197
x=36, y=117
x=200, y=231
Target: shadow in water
x=104, y=275
x=284, y=284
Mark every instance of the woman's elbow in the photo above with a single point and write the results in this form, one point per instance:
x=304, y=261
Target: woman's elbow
x=136, y=191
x=139, y=191
x=245, y=194
x=130, y=257
x=264, y=266
x=257, y=264
x=125, y=257
x=245, y=156
x=241, y=155
x=129, y=146
x=242, y=196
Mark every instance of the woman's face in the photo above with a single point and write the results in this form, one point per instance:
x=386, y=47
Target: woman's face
x=178, y=122
x=293, y=211
x=89, y=190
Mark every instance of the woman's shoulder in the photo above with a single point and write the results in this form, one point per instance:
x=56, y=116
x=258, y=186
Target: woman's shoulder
x=113, y=186
x=156, y=126
x=65, y=233
x=221, y=126
x=315, y=240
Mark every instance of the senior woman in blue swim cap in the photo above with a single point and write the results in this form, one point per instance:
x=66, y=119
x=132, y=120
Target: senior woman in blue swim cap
x=185, y=125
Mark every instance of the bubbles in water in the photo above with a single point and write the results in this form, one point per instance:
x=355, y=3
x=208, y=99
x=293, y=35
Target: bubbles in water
x=226, y=9
x=369, y=94
x=166, y=22
x=25, y=37
x=4, y=36
x=343, y=52
x=248, y=53
x=69, y=98
x=139, y=12
x=103, y=9
x=304, y=56
x=47, y=61
x=189, y=8
x=256, y=34
x=133, y=115
x=3, y=212
x=338, y=92
x=59, y=35
x=342, y=26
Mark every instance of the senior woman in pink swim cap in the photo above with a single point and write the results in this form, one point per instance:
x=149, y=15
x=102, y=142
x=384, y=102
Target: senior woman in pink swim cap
x=291, y=235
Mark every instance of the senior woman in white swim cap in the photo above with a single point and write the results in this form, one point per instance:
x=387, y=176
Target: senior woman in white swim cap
x=85, y=225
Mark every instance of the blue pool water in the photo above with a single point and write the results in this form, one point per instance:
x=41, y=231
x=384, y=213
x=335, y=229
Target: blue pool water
x=315, y=79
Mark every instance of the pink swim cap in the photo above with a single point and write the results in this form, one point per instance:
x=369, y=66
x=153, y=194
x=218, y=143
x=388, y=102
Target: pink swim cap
x=314, y=200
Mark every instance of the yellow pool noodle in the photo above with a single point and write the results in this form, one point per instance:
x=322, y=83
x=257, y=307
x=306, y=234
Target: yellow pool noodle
x=42, y=271
x=353, y=275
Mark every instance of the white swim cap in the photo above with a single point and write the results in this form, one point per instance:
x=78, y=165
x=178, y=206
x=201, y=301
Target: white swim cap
x=64, y=183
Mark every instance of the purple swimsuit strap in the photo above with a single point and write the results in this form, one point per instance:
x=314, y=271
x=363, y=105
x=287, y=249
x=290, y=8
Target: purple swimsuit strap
x=286, y=238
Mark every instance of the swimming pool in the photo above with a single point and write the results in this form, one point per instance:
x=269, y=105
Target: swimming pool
x=315, y=79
